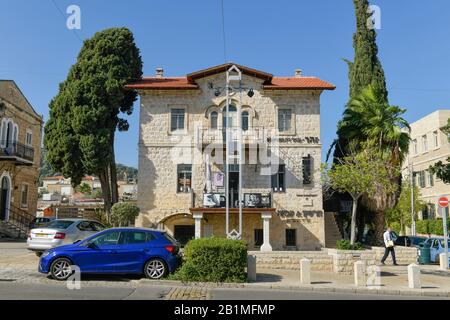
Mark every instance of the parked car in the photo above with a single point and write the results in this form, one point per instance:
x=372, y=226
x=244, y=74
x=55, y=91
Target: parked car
x=118, y=250
x=39, y=222
x=409, y=241
x=436, y=247
x=59, y=232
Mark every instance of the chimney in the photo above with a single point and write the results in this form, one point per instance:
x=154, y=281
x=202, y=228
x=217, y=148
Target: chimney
x=298, y=73
x=159, y=72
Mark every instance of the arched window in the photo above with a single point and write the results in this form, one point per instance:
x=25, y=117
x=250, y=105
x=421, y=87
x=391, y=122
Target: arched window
x=245, y=119
x=230, y=119
x=214, y=118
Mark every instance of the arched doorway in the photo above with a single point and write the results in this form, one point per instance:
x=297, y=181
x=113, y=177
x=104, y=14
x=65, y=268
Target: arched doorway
x=5, y=195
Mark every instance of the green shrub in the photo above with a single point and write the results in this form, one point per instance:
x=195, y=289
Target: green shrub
x=213, y=260
x=395, y=226
x=122, y=213
x=432, y=226
x=345, y=245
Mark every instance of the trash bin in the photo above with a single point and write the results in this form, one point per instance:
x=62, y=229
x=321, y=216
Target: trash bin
x=424, y=253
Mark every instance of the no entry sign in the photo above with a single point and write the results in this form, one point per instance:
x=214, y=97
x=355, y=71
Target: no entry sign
x=443, y=202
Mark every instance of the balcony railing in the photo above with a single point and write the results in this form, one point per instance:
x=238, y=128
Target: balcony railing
x=250, y=200
x=15, y=149
x=250, y=136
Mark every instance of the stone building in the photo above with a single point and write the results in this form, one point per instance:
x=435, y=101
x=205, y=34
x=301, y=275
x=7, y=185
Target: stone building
x=181, y=183
x=429, y=144
x=20, y=145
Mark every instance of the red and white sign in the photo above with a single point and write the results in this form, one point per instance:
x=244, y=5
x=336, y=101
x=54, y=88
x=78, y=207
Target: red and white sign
x=443, y=202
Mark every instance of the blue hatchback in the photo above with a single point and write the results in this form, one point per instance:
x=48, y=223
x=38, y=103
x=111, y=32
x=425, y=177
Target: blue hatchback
x=150, y=252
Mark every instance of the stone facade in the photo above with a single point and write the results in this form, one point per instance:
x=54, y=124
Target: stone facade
x=161, y=150
x=429, y=144
x=20, y=156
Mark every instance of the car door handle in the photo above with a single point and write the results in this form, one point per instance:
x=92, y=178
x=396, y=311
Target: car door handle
x=113, y=251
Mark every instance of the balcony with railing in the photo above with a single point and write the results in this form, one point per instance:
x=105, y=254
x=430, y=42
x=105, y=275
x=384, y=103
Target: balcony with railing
x=12, y=150
x=251, y=135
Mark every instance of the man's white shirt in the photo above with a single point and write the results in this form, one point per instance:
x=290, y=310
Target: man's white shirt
x=387, y=237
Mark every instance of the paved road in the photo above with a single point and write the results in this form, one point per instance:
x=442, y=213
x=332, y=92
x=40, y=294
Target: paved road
x=12, y=291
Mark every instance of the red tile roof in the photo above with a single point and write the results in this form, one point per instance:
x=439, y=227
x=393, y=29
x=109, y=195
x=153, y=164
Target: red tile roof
x=298, y=83
x=177, y=83
x=270, y=82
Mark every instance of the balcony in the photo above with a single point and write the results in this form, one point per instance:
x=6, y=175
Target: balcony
x=12, y=150
x=252, y=135
x=251, y=200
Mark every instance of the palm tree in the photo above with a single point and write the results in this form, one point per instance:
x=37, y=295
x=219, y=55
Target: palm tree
x=369, y=119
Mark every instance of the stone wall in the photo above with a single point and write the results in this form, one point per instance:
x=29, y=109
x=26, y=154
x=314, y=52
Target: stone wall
x=330, y=260
x=161, y=150
x=343, y=260
x=24, y=116
x=290, y=260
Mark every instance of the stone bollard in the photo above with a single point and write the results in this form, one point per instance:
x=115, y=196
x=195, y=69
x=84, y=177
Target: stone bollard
x=359, y=273
x=442, y=264
x=414, y=276
x=251, y=268
x=305, y=271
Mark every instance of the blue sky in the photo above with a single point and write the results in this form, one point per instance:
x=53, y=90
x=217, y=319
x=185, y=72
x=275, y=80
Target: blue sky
x=274, y=36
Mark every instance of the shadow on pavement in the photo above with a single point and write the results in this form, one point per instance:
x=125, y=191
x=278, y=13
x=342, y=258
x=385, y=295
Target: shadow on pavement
x=266, y=277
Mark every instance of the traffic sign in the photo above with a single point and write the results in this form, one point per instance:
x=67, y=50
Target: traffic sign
x=443, y=202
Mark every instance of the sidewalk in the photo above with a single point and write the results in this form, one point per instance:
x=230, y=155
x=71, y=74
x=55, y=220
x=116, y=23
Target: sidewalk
x=394, y=281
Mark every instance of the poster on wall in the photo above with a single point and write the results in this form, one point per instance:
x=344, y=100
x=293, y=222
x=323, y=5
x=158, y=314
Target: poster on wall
x=218, y=179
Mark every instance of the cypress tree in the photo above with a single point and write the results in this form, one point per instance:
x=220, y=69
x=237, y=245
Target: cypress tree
x=365, y=70
x=79, y=136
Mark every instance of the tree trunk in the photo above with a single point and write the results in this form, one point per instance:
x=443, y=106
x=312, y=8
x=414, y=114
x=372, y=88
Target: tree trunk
x=113, y=175
x=360, y=221
x=104, y=181
x=353, y=222
x=379, y=227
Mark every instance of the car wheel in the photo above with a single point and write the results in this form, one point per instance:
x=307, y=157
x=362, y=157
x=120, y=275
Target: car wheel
x=60, y=269
x=38, y=253
x=155, y=269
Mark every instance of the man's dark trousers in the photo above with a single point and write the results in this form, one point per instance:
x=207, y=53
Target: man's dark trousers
x=386, y=253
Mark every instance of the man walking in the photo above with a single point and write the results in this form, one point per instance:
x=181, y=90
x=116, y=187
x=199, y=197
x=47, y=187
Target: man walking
x=389, y=246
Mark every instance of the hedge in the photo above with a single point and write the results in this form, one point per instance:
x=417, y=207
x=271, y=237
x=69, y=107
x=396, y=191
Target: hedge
x=432, y=226
x=214, y=260
x=345, y=245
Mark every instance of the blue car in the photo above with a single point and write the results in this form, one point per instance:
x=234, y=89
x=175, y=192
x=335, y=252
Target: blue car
x=150, y=252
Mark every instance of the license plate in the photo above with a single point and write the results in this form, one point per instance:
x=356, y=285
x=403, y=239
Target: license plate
x=40, y=235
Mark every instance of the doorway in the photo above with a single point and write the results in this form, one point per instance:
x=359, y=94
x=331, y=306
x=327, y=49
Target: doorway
x=4, y=198
x=184, y=233
x=234, y=189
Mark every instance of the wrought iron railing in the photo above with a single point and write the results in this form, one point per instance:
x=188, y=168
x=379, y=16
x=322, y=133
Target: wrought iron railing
x=250, y=200
x=15, y=149
x=20, y=218
x=218, y=135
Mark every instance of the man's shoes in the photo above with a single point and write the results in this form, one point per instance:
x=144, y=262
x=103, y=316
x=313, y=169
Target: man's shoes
x=395, y=264
x=382, y=262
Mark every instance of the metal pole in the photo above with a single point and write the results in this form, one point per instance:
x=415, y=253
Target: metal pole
x=444, y=221
x=413, y=221
x=227, y=205
x=239, y=122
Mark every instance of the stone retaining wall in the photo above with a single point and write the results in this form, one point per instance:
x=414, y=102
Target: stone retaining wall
x=330, y=260
x=290, y=260
x=343, y=260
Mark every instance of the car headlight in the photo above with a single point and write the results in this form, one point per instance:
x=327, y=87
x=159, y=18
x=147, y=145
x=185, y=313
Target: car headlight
x=46, y=253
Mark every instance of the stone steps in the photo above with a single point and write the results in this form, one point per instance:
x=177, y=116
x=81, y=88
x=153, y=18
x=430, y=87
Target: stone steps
x=332, y=233
x=12, y=231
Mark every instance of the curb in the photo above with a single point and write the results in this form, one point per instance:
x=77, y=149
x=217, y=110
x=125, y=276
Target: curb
x=350, y=290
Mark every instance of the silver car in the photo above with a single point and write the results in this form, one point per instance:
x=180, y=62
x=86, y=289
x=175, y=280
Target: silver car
x=60, y=232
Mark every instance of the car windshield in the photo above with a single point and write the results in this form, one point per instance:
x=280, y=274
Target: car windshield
x=60, y=224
